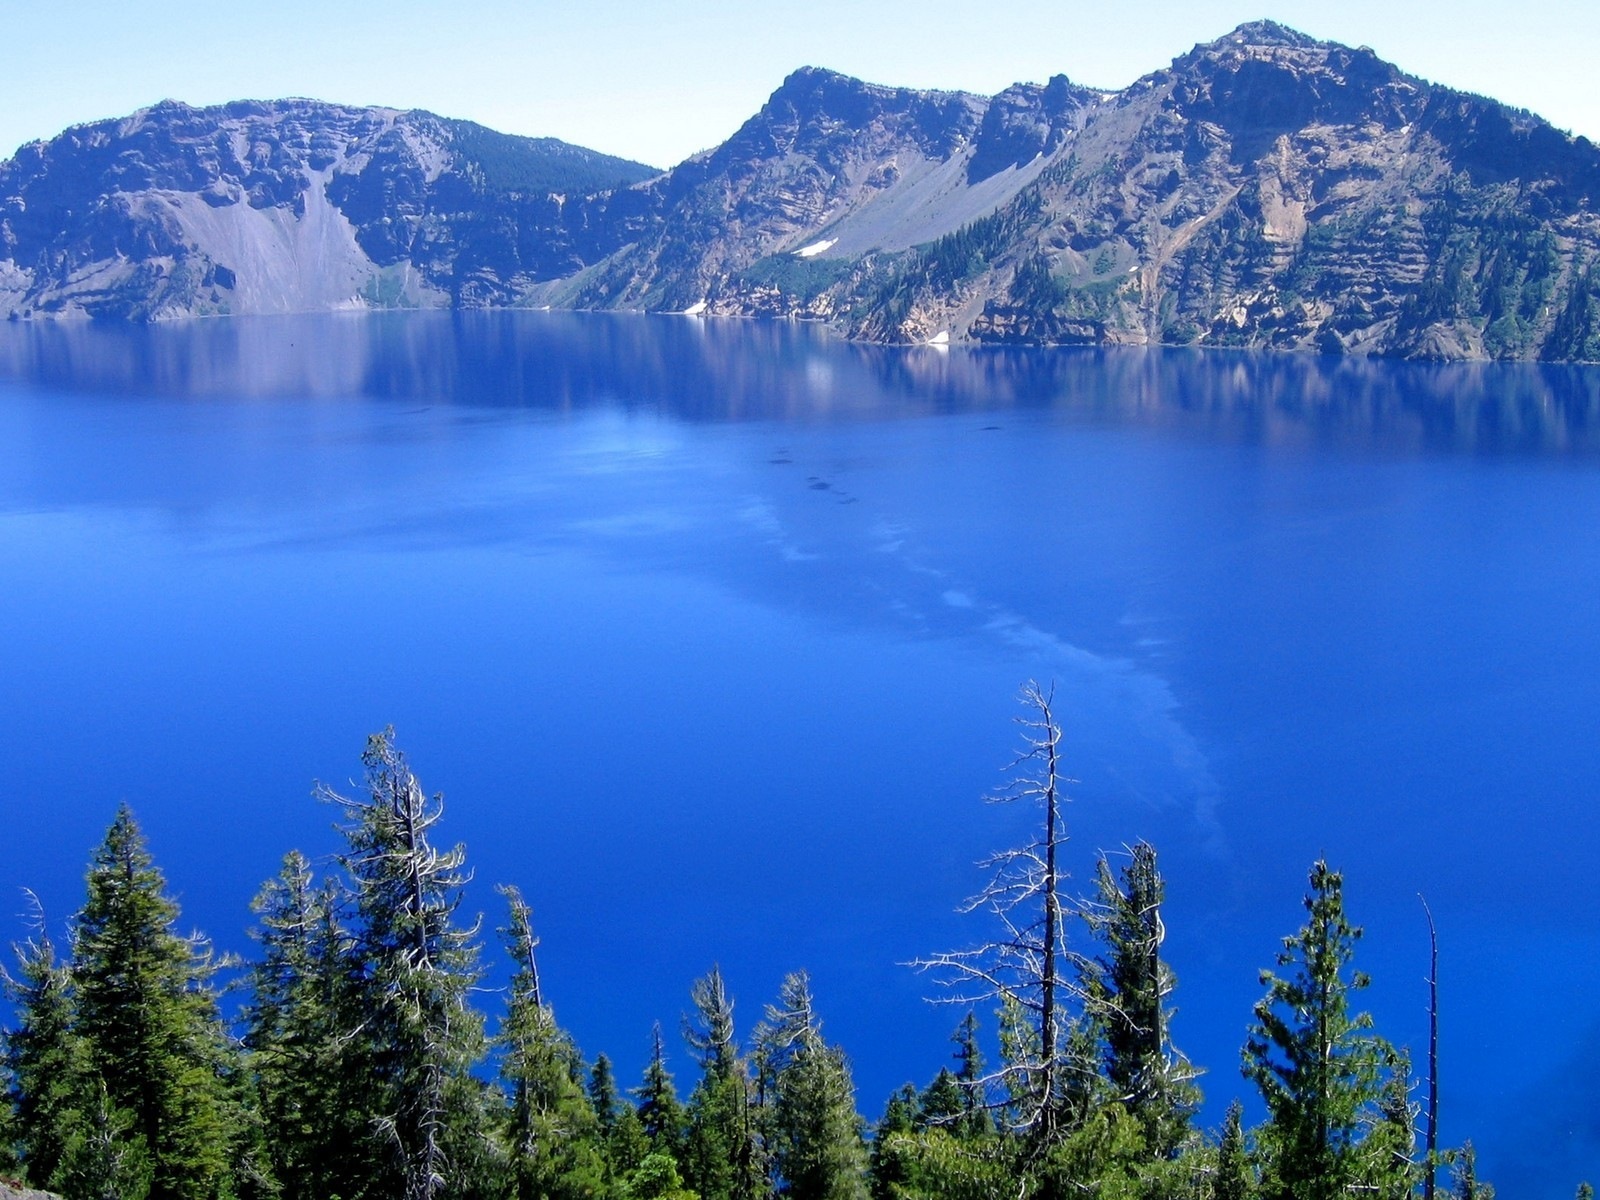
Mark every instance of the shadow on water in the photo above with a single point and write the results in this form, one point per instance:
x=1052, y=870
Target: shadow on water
x=718, y=371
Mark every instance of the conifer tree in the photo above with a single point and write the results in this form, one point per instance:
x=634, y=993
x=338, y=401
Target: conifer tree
x=554, y=1127
x=660, y=1115
x=1467, y=1184
x=975, y=1119
x=150, y=1019
x=1128, y=988
x=1234, y=1180
x=303, y=1028
x=722, y=1156
x=816, y=1147
x=414, y=966
x=1318, y=1067
x=50, y=1085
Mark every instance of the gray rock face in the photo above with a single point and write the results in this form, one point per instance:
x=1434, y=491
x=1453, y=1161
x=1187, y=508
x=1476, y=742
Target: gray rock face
x=1265, y=190
x=287, y=206
x=11, y=1192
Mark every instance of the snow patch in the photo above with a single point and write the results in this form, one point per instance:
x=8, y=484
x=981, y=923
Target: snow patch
x=942, y=338
x=695, y=309
x=815, y=248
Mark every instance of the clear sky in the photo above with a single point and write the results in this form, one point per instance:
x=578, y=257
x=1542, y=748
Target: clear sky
x=658, y=81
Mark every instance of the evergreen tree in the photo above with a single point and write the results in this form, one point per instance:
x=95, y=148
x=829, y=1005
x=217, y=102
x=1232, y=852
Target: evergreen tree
x=975, y=1119
x=816, y=1147
x=1467, y=1184
x=1234, y=1179
x=722, y=1156
x=1318, y=1067
x=603, y=1095
x=941, y=1103
x=50, y=1084
x=1128, y=989
x=660, y=1115
x=554, y=1127
x=149, y=1017
x=1390, y=1169
x=312, y=1064
x=885, y=1167
x=414, y=967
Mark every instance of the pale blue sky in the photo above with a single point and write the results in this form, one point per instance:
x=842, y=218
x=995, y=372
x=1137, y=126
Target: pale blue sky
x=657, y=82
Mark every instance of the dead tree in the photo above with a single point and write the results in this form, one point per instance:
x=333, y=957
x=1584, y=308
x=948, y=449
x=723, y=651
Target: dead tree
x=1025, y=968
x=1431, y=1135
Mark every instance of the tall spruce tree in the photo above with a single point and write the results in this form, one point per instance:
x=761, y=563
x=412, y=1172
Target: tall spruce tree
x=312, y=1063
x=660, y=1114
x=1319, y=1068
x=816, y=1148
x=1128, y=988
x=722, y=1154
x=554, y=1129
x=50, y=1085
x=414, y=966
x=148, y=1013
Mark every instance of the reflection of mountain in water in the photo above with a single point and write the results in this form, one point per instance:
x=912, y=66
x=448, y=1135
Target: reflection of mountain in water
x=753, y=370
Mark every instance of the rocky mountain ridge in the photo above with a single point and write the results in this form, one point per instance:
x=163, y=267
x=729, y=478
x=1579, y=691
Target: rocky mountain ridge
x=1264, y=190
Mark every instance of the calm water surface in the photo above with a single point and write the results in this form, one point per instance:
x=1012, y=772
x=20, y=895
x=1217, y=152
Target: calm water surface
x=710, y=634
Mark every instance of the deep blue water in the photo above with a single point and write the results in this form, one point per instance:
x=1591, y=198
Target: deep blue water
x=711, y=632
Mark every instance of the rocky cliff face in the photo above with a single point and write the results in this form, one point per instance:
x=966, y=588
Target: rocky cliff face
x=290, y=206
x=1265, y=190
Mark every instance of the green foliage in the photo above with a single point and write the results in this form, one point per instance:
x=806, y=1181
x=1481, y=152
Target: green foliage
x=1466, y=1184
x=661, y=1118
x=656, y=1178
x=721, y=1159
x=414, y=967
x=538, y=166
x=1128, y=986
x=554, y=1131
x=1235, y=1178
x=1319, y=1069
x=933, y=1164
x=803, y=278
x=150, y=1021
x=302, y=1028
x=47, y=1064
x=814, y=1134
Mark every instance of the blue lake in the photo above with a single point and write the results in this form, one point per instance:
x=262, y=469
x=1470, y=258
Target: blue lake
x=711, y=635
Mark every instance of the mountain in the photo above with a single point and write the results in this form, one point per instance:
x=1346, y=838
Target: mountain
x=290, y=205
x=1264, y=190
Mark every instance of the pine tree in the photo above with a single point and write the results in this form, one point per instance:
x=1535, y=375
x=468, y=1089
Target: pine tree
x=975, y=1119
x=149, y=1017
x=816, y=1147
x=1129, y=987
x=51, y=1088
x=1467, y=1184
x=554, y=1128
x=722, y=1157
x=312, y=1064
x=660, y=1115
x=1234, y=1179
x=414, y=967
x=1318, y=1067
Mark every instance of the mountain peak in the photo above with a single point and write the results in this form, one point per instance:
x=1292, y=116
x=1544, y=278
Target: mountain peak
x=1267, y=33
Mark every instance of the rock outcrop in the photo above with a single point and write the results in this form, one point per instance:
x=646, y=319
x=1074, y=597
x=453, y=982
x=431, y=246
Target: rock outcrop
x=1264, y=190
x=290, y=206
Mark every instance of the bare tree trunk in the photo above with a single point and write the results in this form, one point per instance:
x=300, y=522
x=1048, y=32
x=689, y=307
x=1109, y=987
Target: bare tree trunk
x=1431, y=1137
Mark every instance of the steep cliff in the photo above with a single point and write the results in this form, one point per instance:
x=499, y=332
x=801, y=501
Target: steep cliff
x=293, y=205
x=1265, y=190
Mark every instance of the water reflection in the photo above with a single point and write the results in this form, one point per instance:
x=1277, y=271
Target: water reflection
x=698, y=370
